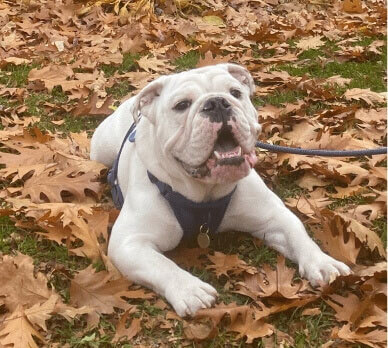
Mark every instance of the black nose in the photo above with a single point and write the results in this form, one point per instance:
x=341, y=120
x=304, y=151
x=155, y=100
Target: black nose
x=217, y=108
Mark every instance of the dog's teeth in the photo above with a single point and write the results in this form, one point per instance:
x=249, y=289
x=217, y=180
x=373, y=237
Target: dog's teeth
x=239, y=151
x=217, y=154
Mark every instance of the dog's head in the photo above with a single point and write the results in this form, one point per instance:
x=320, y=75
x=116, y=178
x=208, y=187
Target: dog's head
x=203, y=121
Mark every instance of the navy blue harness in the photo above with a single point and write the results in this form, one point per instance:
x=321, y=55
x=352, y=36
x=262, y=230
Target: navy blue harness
x=190, y=215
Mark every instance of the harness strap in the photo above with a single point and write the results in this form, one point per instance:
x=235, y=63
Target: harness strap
x=192, y=215
x=112, y=178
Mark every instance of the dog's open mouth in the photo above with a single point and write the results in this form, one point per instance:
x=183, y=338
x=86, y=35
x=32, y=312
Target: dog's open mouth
x=226, y=149
x=227, y=162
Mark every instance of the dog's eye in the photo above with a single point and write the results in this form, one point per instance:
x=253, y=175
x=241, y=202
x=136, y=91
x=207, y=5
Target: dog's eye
x=182, y=105
x=235, y=93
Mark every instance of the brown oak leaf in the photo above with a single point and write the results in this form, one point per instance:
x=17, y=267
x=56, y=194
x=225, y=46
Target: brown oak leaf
x=250, y=326
x=19, y=286
x=224, y=264
x=376, y=338
x=17, y=331
x=275, y=283
x=99, y=292
x=50, y=186
x=128, y=332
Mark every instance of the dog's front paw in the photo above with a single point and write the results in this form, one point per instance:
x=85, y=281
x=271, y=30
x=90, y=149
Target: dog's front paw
x=321, y=269
x=189, y=295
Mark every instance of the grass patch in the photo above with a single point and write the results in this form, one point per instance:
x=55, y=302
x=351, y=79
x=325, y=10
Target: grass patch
x=366, y=41
x=279, y=98
x=6, y=103
x=369, y=74
x=187, y=61
x=128, y=64
x=67, y=332
x=307, y=331
x=120, y=90
x=348, y=201
x=315, y=108
x=6, y=230
x=27, y=242
x=285, y=186
x=16, y=75
x=380, y=227
x=35, y=101
x=72, y=124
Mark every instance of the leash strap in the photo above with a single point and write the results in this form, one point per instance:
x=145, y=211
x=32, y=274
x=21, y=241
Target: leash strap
x=319, y=152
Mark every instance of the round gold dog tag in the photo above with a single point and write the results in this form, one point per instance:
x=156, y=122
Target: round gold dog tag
x=203, y=238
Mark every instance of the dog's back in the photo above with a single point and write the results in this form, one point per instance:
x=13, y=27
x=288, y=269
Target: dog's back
x=108, y=136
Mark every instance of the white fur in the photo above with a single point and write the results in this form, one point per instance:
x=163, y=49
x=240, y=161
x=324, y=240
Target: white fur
x=147, y=227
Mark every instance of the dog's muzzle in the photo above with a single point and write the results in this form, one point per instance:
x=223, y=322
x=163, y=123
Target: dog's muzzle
x=228, y=161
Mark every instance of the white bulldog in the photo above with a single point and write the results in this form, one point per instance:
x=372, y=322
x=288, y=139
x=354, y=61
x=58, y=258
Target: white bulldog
x=197, y=133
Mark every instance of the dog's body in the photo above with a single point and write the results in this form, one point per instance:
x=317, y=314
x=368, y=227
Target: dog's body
x=185, y=117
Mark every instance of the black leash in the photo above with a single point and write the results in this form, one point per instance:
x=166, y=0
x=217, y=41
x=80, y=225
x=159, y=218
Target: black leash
x=318, y=152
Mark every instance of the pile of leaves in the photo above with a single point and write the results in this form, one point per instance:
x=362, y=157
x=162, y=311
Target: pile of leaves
x=65, y=65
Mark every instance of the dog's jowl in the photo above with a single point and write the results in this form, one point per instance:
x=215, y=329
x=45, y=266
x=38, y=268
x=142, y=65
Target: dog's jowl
x=184, y=169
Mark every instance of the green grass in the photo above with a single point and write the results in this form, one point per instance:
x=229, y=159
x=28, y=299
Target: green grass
x=16, y=75
x=279, y=98
x=35, y=101
x=380, y=227
x=6, y=230
x=35, y=107
x=349, y=201
x=327, y=50
x=367, y=40
x=72, y=124
x=307, y=331
x=120, y=89
x=6, y=103
x=65, y=332
x=187, y=61
x=27, y=242
x=128, y=64
x=368, y=74
x=285, y=186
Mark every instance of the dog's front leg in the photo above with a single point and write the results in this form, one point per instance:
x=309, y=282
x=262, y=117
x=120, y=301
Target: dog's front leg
x=142, y=263
x=285, y=233
x=258, y=210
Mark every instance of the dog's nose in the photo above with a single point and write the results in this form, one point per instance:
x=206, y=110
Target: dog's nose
x=217, y=108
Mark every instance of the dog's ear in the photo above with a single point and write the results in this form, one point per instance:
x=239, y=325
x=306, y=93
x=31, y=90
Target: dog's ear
x=144, y=101
x=242, y=75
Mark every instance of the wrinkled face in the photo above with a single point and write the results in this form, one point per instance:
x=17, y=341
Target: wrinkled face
x=206, y=123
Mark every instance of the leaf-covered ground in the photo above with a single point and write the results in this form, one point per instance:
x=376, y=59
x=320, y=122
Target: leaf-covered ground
x=320, y=69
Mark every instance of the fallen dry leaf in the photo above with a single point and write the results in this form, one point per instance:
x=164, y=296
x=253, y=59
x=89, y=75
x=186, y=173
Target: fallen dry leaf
x=228, y=264
x=276, y=283
x=366, y=95
x=251, y=327
x=128, y=333
x=98, y=291
x=20, y=286
x=17, y=331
